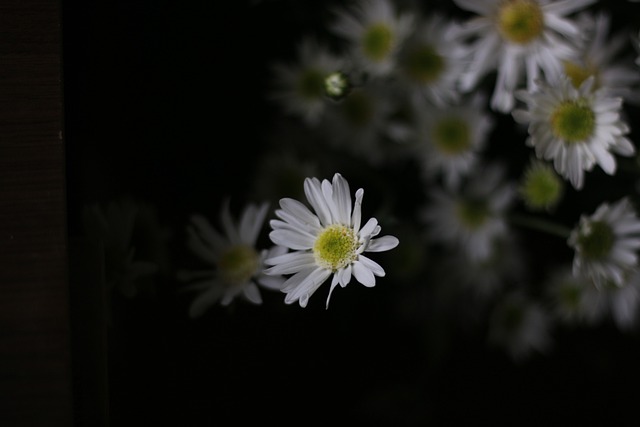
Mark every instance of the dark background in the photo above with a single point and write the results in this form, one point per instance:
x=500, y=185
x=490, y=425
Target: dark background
x=161, y=99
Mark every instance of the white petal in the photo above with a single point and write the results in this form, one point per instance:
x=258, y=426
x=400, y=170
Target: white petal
x=291, y=239
x=363, y=274
x=382, y=244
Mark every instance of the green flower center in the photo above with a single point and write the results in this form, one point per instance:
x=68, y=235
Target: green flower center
x=573, y=121
x=520, y=21
x=472, y=213
x=452, y=136
x=358, y=108
x=377, y=41
x=238, y=264
x=541, y=188
x=578, y=73
x=596, y=240
x=424, y=64
x=311, y=84
x=570, y=294
x=336, y=247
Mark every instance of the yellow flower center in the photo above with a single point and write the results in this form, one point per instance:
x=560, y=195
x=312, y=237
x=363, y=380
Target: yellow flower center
x=424, y=64
x=573, y=121
x=596, y=240
x=452, y=136
x=541, y=187
x=238, y=264
x=578, y=73
x=520, y=21
x=377, y=41
x=336, y=247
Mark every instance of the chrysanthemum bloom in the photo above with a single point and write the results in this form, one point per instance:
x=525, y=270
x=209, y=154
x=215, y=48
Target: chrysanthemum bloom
x=604, y=57
x=301, y=86
x=432, y=61
x=374, y=32
x=574, y=127
x=327, y=242
x=474, y=216
x=606, y=242
x=236, y=264
x=450, y=139
x=541, y=188
x=523, y=39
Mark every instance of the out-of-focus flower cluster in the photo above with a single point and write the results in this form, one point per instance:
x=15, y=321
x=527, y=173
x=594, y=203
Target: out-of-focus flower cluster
x=496, y=142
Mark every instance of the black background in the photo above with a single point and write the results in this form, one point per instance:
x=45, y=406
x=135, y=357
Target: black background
x=161, y=99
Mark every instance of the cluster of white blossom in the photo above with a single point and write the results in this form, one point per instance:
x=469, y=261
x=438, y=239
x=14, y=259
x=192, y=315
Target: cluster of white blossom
x=502, y=108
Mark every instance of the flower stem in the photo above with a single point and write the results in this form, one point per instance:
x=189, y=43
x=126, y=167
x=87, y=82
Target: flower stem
x=540, y=224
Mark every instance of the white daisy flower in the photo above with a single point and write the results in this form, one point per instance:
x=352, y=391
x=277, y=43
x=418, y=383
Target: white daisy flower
x=602, y=57
x=520, y=325
x=236, y=264
x=300, y=87
x=450, y=139
x=606, y=242
x=473, y=217
x=374, y=32
x=519, y=39
x=328, y=242
x=432, y=61
x=574, y=127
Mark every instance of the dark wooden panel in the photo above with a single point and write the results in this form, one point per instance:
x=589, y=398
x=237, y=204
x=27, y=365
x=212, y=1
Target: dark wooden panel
x=35, y=358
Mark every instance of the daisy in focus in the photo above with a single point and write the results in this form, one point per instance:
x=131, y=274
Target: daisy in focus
x=451, y=139
x=525, y=38
x=374, y=32
x=301, y=87
x=574, y=127
x=327, y=242
x=473, y=217
x=606, y=242
x=236, y=265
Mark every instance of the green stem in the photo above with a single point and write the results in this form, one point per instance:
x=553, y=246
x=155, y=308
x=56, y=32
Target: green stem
x=540, y=225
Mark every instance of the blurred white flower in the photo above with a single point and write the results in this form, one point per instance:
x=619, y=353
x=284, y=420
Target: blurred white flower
x=300, y=86
x=361, y=123
x=236, y=264
x=606, y=242
x=603, y=57
x=519, y=39
x=574, y=127
x=451, y=138
x=473, y=217
x=521, y=325
x=432, y=61
x=374, y=32
x=328, y=242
